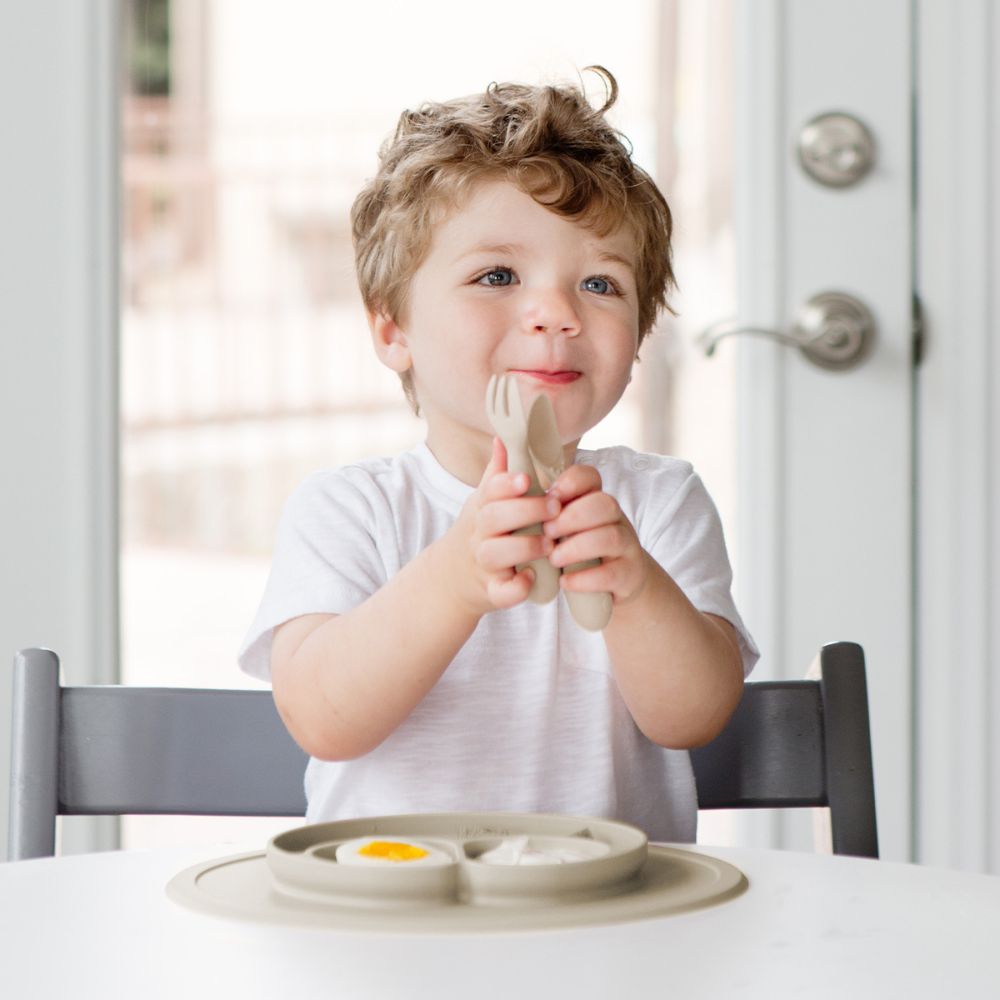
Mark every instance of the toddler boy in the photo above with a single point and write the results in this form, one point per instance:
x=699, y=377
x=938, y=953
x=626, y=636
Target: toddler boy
x=504, y=232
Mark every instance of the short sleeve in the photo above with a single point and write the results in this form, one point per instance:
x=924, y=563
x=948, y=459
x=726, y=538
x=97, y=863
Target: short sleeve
x=679, y=526
x=682, y=530
x=326, y=561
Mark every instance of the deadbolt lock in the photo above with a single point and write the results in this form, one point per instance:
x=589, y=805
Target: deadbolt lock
x=836, y=149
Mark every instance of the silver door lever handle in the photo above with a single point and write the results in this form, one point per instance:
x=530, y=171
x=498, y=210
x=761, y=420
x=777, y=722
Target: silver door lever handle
x=833, y=330
x=709, y=338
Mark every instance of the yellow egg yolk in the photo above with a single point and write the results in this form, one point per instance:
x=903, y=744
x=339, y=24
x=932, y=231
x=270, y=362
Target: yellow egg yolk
x=391, y=850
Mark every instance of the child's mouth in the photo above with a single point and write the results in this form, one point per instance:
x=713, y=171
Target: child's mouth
x=549, y=378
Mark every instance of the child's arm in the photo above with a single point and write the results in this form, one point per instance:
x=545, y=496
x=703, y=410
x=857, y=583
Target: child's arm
x=679, y=671
x=343, y=683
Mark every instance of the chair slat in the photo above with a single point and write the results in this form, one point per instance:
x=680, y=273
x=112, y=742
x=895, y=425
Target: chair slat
x=770, y=755
x=162, y=750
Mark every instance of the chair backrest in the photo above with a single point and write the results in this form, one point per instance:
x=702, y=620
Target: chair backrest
x=116, y=750
x=800, y=743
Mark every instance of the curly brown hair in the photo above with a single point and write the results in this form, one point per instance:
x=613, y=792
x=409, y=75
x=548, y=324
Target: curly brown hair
x=548, y=141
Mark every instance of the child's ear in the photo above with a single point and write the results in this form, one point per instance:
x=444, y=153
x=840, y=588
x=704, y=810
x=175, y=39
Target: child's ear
x=389, y=339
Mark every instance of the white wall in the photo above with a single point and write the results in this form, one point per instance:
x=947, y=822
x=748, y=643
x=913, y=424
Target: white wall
x=58, y=339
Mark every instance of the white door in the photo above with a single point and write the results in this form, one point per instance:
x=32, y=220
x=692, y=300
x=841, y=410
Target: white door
x=825, y=483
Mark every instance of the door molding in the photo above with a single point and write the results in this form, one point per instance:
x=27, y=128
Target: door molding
x=757, y=209
x=58, y=390
x=958, y=454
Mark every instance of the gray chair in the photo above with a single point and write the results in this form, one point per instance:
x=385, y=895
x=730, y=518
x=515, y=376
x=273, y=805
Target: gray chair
x=111, y=750
x=800, y=743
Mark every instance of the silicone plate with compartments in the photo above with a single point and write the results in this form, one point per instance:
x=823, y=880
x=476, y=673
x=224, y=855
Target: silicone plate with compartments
x=298, y=880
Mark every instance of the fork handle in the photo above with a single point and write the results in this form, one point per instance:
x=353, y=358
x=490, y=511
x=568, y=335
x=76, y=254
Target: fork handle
x=545, y=586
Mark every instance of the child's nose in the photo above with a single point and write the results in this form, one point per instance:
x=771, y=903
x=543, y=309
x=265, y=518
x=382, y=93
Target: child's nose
x=551, y=311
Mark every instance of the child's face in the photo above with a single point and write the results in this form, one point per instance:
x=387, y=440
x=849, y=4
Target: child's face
x=508, y=285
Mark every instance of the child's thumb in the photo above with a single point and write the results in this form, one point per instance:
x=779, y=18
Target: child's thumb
x=497, y=462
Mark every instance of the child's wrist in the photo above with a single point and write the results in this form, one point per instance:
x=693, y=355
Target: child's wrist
x=452, y=568
x=636, y=603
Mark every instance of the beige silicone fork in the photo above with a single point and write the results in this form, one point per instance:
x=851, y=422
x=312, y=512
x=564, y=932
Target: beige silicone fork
x=591, y=611
x=506, y=415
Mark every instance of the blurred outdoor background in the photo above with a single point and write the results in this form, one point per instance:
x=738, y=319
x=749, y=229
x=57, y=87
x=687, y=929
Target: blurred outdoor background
x=247, y=129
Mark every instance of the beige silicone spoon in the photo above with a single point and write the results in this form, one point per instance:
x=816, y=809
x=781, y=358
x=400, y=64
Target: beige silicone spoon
x=591, y=611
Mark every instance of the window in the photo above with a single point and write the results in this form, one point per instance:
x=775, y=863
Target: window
x=247, y=129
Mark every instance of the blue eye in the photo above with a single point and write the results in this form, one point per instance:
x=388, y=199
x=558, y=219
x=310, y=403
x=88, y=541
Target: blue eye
x=600, y=286
x=497, y=277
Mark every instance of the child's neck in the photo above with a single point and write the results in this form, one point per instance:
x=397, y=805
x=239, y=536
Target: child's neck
x=465, y=459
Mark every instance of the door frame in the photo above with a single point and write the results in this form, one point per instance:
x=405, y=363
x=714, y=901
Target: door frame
x=958, y=457
x=825, y=459
x=59, y=395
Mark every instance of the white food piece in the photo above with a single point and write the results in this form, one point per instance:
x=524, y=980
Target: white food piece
x=351, y=853
x=518, y=851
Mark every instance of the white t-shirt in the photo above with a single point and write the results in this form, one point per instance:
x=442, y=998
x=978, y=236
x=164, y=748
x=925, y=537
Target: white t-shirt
x=527, y=717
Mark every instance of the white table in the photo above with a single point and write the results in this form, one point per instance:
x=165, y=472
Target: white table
x=814, y=926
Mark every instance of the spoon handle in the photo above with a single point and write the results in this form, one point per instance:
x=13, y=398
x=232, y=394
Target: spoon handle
x=545, y=586
x=591, y=611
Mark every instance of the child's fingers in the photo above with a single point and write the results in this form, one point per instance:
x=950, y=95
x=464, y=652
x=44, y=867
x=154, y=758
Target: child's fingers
x=512, y=511
x=497, y=483
x=622, y=578
x=495, y=555
x=497, y=462
x=505, y=592
x=601, y=579
x=585, y=514
x=575, y=482
x=611, y=541
x=504, y=486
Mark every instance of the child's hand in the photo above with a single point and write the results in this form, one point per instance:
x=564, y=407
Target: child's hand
x=491, y=552
x=592, y=526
